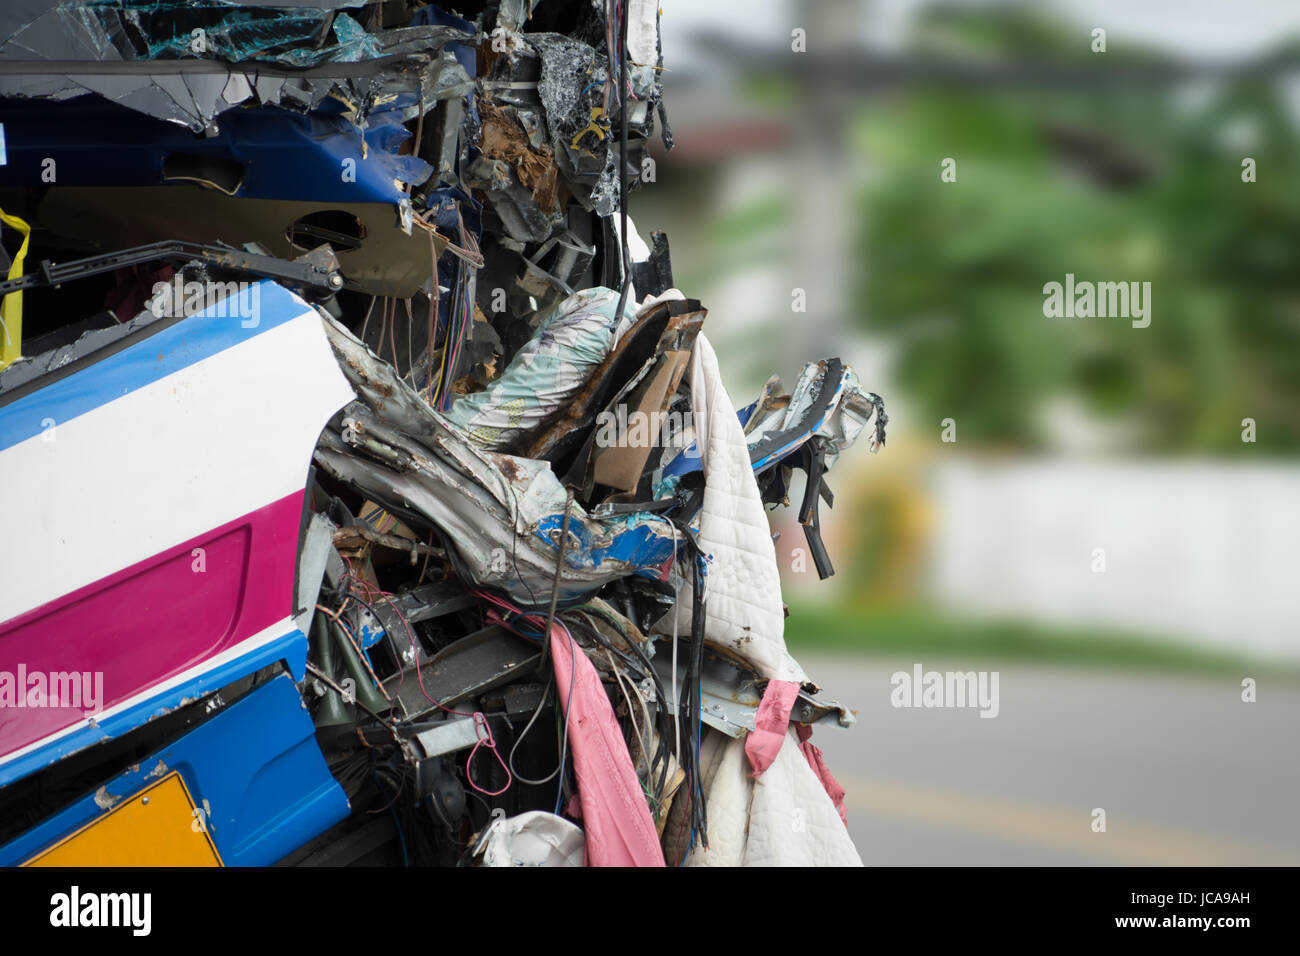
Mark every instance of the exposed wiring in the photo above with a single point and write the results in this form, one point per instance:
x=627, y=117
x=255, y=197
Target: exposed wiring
x=641, y=737
x=481, y=727
x=663, y=749
x=484, y=733
x=329, y=682
x=573, y=667
x=336, y=618
x=527, y=727
x=555, y=581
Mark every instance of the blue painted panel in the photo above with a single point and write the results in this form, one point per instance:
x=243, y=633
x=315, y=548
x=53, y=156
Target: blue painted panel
x=283, y=154
x=256, y=767
x=291, y=648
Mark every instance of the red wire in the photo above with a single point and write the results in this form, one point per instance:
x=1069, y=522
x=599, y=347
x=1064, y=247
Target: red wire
x=481, y=726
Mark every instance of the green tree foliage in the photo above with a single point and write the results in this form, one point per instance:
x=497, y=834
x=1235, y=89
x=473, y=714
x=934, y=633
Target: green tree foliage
x=1111, y=180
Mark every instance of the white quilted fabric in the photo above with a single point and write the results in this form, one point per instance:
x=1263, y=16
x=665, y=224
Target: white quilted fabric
x=785, y=817
x=743, y=606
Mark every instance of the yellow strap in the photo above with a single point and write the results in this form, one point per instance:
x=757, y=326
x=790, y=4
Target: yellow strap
x=592, y=127
x=11, y=309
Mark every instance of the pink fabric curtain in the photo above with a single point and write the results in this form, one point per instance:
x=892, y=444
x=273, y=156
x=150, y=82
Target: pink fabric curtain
x=615, y=815
x=770, y=724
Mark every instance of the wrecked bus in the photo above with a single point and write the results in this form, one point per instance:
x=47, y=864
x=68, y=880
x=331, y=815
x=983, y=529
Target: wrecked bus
x=374, y=496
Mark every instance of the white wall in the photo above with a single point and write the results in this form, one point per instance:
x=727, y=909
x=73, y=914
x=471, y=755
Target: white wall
x=1207, y=553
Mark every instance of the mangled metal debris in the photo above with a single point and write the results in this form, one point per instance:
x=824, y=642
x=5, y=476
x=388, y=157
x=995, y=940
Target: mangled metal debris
x=482, y=542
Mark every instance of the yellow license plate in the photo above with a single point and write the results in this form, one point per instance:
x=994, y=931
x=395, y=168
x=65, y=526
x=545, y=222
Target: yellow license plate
x=157, y=826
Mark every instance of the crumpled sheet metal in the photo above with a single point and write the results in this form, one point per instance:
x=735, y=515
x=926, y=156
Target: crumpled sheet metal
x=387, y=262
x=730, y=697
x=63, y=50
x=849, y=413
x=258, y=153
x=501, y=514
x=777, y=424
x=550, y=112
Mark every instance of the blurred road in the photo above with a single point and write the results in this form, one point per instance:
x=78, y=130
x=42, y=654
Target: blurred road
x=1187, y=773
